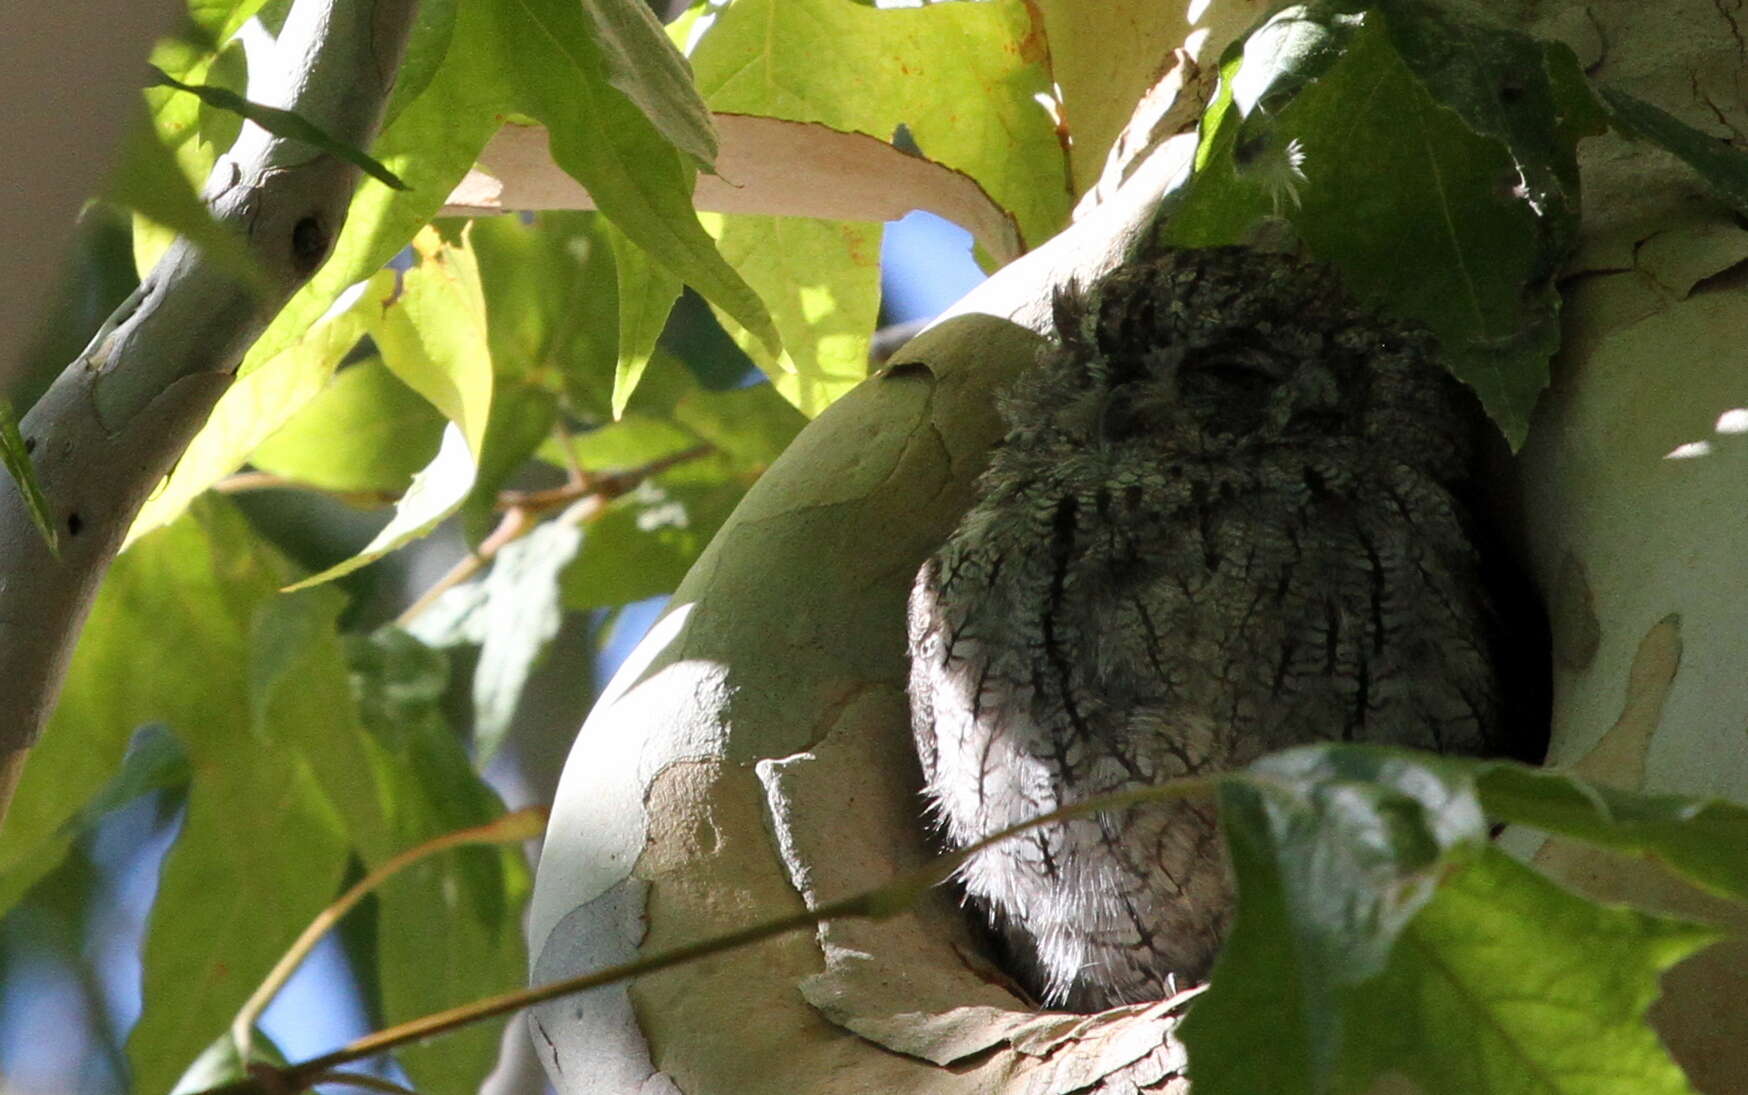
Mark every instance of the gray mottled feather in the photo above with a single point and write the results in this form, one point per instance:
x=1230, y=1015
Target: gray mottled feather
x=1225, y=519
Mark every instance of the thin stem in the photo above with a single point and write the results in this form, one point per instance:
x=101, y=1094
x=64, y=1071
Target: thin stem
x=587, y=498
x=522, y=824
x=883, y=901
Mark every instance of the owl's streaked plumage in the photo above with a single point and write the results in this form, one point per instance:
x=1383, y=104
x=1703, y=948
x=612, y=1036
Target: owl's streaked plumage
x=1230, y=515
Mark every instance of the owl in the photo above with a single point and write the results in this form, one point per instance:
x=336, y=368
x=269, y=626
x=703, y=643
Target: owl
x=1232, y=512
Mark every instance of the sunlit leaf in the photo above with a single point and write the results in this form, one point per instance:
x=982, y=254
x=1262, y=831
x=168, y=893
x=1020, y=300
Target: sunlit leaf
x=257, y=405
x=1508, y=984
x=433, y=337
x=862, y=69
x=637, y=177
x=366, y=431
x=821, y=280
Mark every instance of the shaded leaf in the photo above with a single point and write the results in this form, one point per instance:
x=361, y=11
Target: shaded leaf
x=646, y=296
x=264, y=812
x=451, y=923
x=15, y=454
x=1706, y=840
x=1722, y=165
x=523, y=416
x=512, y=613
x=643, y=64
x=1333, y=851
x=1309, y=127
x=154, y=761
x=645, y=542
x=1379, y=934
x=553, y=304
x=427, y=46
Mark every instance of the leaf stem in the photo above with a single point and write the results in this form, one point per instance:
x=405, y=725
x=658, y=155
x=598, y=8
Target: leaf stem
x=587, y=497
x=517, y=825
x=889, y=899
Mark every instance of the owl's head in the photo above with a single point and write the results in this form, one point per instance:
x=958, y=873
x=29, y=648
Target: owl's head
x=1233, y=350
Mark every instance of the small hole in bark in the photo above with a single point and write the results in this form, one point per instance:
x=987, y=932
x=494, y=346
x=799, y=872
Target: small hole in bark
x=74, y=524
x=29, y=445
x=309, y=245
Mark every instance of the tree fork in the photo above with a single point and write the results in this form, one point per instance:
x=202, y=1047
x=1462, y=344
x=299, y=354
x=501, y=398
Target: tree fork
x=117, y=419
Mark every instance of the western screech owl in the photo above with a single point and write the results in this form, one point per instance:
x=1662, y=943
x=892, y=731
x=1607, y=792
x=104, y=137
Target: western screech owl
x=1231, y=514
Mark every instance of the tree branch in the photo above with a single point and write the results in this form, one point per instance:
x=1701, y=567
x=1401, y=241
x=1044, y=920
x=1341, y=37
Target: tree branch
x=119, y=417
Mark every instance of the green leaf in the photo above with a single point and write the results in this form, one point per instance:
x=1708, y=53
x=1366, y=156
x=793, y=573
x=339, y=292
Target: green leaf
x=426, y=48
x=188, y=590
x=220, y=19
x=644, y=65
x=281, y=123
x=644, y=543
x=1508, y=984
x=523, y=416
x=148, y=180
x=286, y=789
x=1333, y=851
x=821, y=280
x=1722, y=165
x=602, y=139
x=430, y=145
x=259, y=404
x=1379, y=933
x=512, y=614
x=259, y=820
x=15, y=454
x=868, y=70
x=154, y=761
x=451, y=926
x=1103, y=57
x=552, y=303
x=433, y=337
x=366, y=432
x=671, y=414
x=646, y=296
x=749, y=426
x=1705, y=840
x=1309, y=126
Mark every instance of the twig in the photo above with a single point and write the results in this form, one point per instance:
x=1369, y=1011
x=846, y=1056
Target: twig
x=518, y=825
x=883, y=901
x=587, y=498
